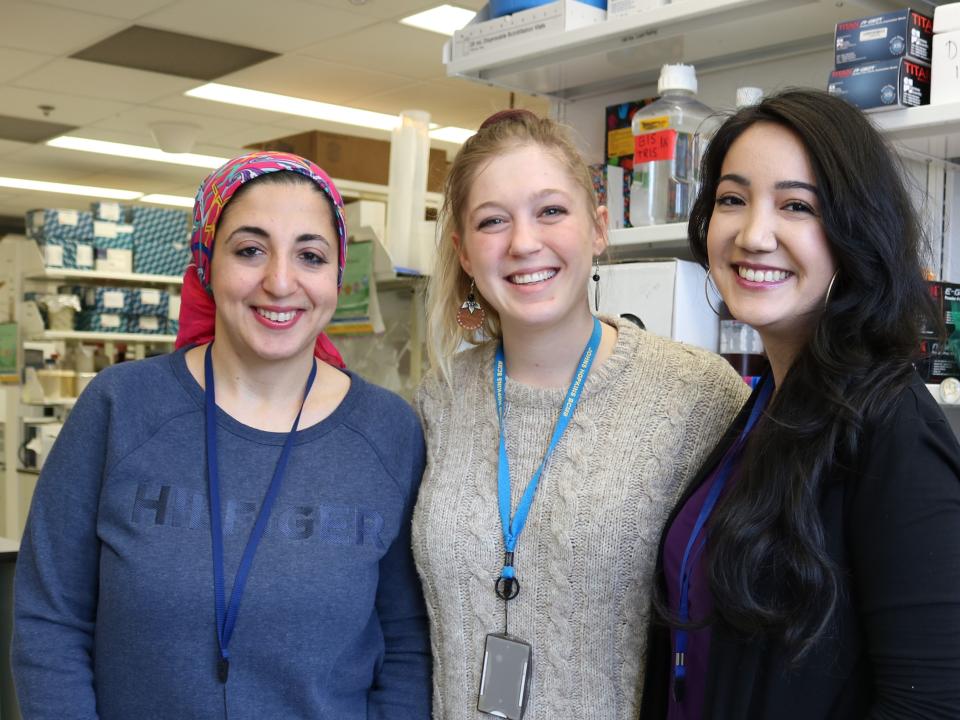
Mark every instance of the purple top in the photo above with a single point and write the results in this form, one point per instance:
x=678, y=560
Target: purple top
x=700, y=601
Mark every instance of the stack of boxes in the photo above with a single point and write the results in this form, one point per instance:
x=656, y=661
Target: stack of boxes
x=945, y=87
x=939, y=356
x=134, y=310
x=883, y=61
x=65, y=237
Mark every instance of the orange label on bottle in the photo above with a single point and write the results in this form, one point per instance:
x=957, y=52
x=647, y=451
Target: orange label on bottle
x=654, y=146
x=660, y=122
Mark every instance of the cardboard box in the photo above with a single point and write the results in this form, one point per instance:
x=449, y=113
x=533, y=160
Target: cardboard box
x=110, y=300
x=112, y=246
x=161, y=241
x=110, y=211
x=945, y=85
x=882, y=85
x=904, y=33
x=512, y=30
x=946, y=18
x=58, y=232
x=937, y=361
x=148, y=302
x=345, y=157
x=92, y=321
x=667, y=296
x=146, y=324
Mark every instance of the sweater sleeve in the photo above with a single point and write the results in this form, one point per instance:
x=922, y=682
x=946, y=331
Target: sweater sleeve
x=403, y=685
x=904, y=537
x=56, y=585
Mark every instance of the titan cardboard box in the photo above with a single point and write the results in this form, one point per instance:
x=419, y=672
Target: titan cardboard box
x=882, y=85
x=904, y=33
x=937, y=361
x=945, y=85
x=512, y=30
x=112, y=246
x=345, y=157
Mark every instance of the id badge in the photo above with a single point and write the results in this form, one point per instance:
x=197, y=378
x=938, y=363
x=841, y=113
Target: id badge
x=505, y=679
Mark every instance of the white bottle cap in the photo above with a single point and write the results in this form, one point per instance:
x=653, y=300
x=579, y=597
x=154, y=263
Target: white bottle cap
x=747, y=96
x=677, y=77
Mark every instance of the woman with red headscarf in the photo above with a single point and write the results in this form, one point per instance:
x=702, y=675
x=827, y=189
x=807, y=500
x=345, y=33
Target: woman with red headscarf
x=248, y=465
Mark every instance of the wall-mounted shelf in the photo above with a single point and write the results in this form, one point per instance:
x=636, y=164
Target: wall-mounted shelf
x=80, y=335
x=100, y=276
x=627, y=51
x=933, y=130
x=651, y=241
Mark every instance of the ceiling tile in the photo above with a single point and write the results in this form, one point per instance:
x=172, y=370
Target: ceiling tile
x=388, y=45
x=172, y=53
x=383, y=9
x=107, y=82
x=124, y=9
x=8, y=147
x=313, y=79
x=30, y=130
x=278, y=25
x=69, y=109
x=14, y=63
x=55, y=30
x=135, y=124
x=453, y=102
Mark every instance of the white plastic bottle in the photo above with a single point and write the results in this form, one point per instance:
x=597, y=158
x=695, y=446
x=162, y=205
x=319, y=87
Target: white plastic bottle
x=669, y=137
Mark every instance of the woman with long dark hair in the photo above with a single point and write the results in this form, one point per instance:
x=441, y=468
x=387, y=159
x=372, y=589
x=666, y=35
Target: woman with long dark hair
x=812, y=569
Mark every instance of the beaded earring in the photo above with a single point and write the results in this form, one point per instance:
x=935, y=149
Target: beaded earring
x=470, y=316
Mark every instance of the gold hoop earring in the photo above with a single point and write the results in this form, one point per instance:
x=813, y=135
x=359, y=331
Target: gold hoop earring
x=707, y=281
x=826, y=298
x=470, y=315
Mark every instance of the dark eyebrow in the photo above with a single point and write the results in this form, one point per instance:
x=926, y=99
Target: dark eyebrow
x=782, y=185
x=260, y=232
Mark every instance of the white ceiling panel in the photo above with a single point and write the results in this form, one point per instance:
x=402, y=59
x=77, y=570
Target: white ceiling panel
x=453, y=102
x=7, y=148
x=400, y=49
x=14, y=63
x=278, y=25
x=67, y=109
x=136, y=123
x=46, y=29
x=313, y=79
x=396, y=8
x=123, y=9
x=107, y=82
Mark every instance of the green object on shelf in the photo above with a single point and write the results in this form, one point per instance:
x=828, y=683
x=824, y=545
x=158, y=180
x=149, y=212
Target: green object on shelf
x=354, y=302
x=8, y=352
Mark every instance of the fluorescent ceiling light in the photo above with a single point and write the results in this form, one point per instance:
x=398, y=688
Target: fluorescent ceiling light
x=67, y=189
x=293, y=106
x=443, y=19
x=159, y=199
x=452, y=134
x=139, y=152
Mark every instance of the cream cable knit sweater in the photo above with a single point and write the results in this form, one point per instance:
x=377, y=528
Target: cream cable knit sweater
x=646, y=419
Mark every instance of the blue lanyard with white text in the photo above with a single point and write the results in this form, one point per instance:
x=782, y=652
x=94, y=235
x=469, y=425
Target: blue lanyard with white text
x=719, y=480
x=227, y=614
x=507, y=585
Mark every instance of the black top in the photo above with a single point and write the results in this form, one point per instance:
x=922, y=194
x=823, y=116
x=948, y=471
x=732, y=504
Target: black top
x=893, y=650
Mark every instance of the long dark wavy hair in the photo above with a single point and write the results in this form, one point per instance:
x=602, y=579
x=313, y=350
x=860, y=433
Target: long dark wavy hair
x=769, y=568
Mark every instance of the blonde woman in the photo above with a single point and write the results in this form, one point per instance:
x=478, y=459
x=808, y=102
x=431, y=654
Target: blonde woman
x=555, y=447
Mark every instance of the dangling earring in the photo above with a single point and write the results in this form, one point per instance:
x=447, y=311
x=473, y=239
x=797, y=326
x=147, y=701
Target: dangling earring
x=596, y=280
x=707, y=282
x=826, y=298
x=470, y=316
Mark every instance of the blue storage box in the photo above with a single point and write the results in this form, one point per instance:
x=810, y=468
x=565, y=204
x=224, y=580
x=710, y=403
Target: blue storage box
x=92, y=321
x=110, y=211
x=499, y=8
x=106, y=300
x=172, y=326
x=58, y=233
x=149, y=301
x=146, y=324
x=113, y=246
x=161, y=241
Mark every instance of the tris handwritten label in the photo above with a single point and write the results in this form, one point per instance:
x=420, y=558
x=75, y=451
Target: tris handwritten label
x=655, y=146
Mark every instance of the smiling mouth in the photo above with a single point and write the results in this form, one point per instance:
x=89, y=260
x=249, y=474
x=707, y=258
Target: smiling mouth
x=531, y=278
x=762, y=276
x=277, y=317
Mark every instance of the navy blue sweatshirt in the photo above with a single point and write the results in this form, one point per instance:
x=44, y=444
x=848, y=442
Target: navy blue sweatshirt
x=114, y=600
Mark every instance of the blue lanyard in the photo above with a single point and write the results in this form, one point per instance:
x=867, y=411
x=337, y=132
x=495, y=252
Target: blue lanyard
x=720, y=478
x=227, y=614
x=507, y=585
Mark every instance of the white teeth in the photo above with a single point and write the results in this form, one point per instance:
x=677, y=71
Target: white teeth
x=280, y=317
x=761, y=275
x=527, y=278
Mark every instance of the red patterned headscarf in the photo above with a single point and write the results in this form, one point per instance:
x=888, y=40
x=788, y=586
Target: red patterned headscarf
x=197, y=307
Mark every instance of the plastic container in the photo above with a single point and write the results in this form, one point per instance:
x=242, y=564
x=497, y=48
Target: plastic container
x=58, y=383
x=499, y=8
x=740, y=345
x=406, y=206
x=669, y=138
x=83, y=379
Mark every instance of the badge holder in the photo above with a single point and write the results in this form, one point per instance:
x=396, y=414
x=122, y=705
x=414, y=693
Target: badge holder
x=505, y=679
